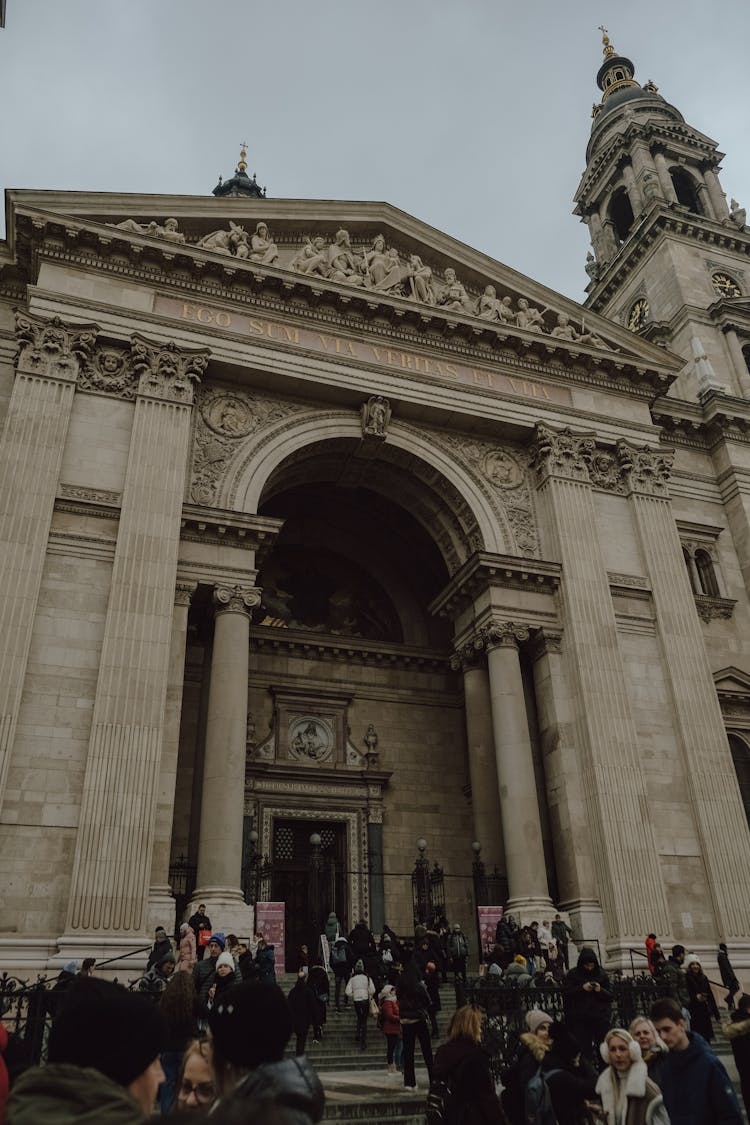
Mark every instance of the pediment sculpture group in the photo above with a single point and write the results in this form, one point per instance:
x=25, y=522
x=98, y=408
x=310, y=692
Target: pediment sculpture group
x=377, y=268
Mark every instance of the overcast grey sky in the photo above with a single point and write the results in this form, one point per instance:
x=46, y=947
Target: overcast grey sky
x=471, y=115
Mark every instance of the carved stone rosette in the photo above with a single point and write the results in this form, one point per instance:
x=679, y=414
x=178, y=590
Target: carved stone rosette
x=236, y=599
x=562, y=454
x=165, y=371
x=646, y=470
x=52, y=348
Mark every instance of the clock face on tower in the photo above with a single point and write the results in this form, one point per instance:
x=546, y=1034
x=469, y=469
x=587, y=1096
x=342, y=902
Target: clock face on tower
x=725, y=285
x=638, y=315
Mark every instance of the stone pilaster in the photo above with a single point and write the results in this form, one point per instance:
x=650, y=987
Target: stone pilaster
x=223, y=796
x=50, y=355
x=112, y=867
x=528, y=894
x=485, y=799
x=709, y=772
x=716, y=195
x=662, y=171
x=160, y=898
x=631, y=892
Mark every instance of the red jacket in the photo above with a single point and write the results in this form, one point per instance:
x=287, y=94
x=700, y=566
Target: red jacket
x=391, y=1020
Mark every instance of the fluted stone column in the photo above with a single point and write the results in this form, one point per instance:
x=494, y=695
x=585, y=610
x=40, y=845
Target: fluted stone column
x=710, y=775
x=160, y=898
x=31, y=449
x=223, y=797
x=662, y=171
x=716, y=194
x=631, y=893
x=633, y=189
x=114, y=845
x=485, y=798
x=738, y=359
x=528, y=894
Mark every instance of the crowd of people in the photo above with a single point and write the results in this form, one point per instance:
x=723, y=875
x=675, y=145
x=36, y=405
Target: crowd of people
x=211, y=1036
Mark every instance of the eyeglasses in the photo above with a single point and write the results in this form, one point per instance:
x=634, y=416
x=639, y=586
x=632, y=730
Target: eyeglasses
x=203, y=1091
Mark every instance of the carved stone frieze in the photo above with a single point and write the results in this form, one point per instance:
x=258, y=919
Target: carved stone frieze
x=645, y=470
x=52, y=348
x=502, y=475
x=166, y=371
x=236, y=599
x=561, y=454
x=92, y=495
x=109, y=370
x=714, y=609
x=225, y=419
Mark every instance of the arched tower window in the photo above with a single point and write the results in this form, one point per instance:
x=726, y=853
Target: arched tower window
x=621, y=214
x=685, y=190
x=706, y=574
x=746, y=353
x=689, y=568
x=741, y=759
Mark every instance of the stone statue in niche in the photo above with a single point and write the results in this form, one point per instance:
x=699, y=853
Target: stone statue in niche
x=168, y=231
x=737, y=215
x=262, y=247
x=376, y=414
x=371, y=742
x=592, y=267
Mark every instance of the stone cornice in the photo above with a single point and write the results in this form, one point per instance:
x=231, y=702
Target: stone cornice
x=236, y=529
x=351, y=650
x=485, y=570
x=718, y=417
x=188, y=270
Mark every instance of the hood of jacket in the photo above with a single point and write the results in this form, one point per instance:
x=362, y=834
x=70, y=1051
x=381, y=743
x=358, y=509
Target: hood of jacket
x=587, y=956
x=61, y=1094
x=534, y=1044
x=736, y=1028
x=453, y=1053
x=290, y=1082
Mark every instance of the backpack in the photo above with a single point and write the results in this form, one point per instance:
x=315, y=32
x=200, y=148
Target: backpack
x=537, y=1103
x=338, y=955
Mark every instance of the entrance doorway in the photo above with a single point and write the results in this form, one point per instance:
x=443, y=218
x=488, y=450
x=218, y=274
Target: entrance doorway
x=294, y=882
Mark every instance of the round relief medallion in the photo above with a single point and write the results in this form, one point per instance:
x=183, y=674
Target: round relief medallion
x=502, y=469
x=310, y=739
x=228, y=415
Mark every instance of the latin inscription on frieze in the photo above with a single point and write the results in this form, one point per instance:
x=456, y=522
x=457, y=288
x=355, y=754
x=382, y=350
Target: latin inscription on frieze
x=342, y=347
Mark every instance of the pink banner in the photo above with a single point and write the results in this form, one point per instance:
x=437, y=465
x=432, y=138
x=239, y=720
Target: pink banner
x=269, y=921
x=488, y=916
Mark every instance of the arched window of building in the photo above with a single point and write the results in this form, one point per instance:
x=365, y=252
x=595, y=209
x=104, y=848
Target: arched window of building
x=689, y=568
x=746, y=353
x=685, y=190
x=706, y=574
x=621, y=214
x=741, y=759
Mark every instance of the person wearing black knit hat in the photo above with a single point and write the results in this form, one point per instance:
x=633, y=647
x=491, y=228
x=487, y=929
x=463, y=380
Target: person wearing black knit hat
x=103, y=1061
x=251, y=1026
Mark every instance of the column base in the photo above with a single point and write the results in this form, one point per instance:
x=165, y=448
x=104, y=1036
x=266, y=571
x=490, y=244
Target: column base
x=125, y=954
x=587, y=923
x=160, y=909
x=531, y=908
x=227, y=909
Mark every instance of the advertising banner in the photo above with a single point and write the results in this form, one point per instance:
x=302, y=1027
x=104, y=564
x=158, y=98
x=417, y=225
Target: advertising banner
x=270, y=921
x=488, y=917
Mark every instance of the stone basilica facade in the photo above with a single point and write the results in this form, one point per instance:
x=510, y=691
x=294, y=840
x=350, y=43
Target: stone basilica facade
x=317, y=521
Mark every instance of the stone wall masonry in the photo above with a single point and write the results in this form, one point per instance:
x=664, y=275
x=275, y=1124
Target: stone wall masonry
x=96, y=450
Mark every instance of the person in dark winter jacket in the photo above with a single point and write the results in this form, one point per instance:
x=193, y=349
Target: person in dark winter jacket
x=341, y=963
x=653, y=1051
x=588, y=1002
x=737, y=1032
x=728, y=975
x=533, y=1047
x=251, y=1027
x=265, y=959
x=317, y=981
x=304, y=1010
x=155, y=980
x=672, y=976
x=571, y=1078
x=464, y=1063
x=697, y=1089
x=162, y=945
x=413, y=1004
x=432, y=984
x=702, y=1006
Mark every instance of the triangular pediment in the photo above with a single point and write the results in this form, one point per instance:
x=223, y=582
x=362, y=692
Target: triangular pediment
x=384, y=256
x=732, y=681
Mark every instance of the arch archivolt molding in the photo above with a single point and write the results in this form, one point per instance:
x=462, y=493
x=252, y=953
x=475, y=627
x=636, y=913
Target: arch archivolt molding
x=470, y=495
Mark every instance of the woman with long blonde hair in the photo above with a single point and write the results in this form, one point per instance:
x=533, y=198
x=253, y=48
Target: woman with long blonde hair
x=464, y=1065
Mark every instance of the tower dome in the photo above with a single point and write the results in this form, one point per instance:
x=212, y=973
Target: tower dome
x=240, y=184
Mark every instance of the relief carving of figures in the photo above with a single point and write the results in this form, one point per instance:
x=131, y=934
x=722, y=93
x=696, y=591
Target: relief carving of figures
x=564, y=330
x=312, y=259
x=168, y=231
x=375, y=414
x=529, y=317
x=454, y=295
x=310, y=739
x=108, y=370
x=224, y=419
x=562, y=454
x=50, y=347
x=490, y=307
x=233, y=241
x=645, y=470
x=421, y=286
x=166, y=371
x=343, y=265
x=382, y=267
x=262, y=247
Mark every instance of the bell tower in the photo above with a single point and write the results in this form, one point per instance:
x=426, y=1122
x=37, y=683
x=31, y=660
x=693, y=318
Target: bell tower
x=670, y=258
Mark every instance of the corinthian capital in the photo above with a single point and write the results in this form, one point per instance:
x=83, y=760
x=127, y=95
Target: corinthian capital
x=561, y=454
x=50, y=347
x=236, y=599
x=468, y=655
x=503, y=634
x=645, y=470
x=165, y=371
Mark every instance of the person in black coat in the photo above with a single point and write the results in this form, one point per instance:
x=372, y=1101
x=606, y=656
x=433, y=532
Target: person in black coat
x=574, y=1080
x=317, y=982
x=464, y=1063
x=728, y=975
x=162, y=945
x=303, y=1008
x=737, y=1032
x=702, y=1006
x=588, y=1003
x=414, y=1004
